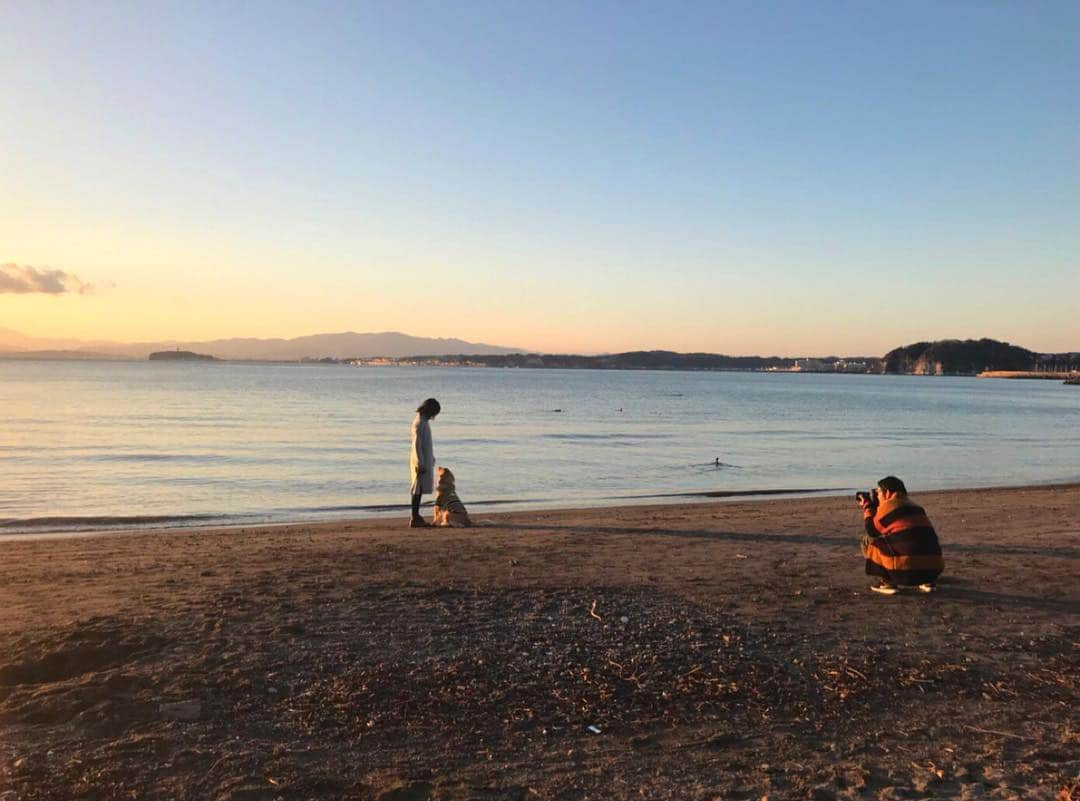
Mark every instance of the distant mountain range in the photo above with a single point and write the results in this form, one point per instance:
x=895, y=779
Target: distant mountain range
x=347, y=345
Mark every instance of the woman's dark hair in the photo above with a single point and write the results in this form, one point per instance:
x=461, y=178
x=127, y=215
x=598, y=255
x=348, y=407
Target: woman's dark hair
x=429, y=408
x=892, y=484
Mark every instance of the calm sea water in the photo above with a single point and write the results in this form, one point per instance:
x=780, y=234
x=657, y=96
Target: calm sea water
x=101, y=444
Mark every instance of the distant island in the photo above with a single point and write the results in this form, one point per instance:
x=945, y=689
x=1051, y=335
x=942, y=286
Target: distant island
x=181, y=356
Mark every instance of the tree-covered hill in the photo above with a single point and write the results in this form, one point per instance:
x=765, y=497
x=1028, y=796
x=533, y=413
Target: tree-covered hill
x=958, y=357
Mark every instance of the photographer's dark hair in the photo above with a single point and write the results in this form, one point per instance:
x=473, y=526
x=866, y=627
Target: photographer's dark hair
x=429, y=408
x=892, y=484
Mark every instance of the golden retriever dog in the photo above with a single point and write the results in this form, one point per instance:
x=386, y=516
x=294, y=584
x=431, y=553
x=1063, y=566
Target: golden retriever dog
x=449, y=510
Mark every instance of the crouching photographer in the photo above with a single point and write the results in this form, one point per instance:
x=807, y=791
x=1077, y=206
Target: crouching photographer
x=900, y=546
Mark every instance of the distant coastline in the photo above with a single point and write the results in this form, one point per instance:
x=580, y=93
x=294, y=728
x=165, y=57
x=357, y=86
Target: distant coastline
x=635, y=360
x=986, y=358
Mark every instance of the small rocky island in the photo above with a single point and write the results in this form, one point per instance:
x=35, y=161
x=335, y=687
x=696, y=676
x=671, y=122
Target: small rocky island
x=181, y=356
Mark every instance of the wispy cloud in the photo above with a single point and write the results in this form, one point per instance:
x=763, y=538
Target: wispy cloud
x=20, y=280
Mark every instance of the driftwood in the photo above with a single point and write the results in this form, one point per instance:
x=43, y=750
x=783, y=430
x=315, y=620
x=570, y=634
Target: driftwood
x=592, y=611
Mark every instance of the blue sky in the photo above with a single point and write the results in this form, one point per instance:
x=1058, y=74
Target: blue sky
x=737, y=177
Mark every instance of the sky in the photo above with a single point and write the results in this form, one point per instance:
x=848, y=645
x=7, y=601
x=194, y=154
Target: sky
x=786, y=178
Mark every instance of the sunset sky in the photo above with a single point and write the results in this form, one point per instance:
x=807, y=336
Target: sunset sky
x=740, y=177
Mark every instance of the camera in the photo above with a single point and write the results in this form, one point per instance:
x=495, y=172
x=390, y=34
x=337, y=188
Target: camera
x=870, y=497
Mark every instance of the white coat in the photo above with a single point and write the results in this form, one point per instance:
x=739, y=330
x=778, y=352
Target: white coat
x=422, y=455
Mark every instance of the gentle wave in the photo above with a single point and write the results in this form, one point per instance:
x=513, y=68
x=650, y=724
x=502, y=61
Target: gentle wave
x=447, y=442
x=191, y=458
x=269, y=458
x=739, y=493
x=87, y=521
x=586, y=436
x=393, y=507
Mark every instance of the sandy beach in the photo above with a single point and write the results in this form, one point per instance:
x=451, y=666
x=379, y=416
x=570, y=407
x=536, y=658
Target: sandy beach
x=700, y=651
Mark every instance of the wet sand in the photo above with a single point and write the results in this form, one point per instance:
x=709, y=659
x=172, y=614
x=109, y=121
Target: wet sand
x=698, y=651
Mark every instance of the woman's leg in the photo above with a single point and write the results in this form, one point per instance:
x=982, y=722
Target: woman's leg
x=416, y=508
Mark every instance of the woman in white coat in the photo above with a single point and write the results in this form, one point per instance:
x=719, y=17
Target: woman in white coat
x=422, y=458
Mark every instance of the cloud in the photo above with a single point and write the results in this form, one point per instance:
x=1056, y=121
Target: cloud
x=19, y=280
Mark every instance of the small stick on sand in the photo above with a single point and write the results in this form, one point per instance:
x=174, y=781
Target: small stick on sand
x=998, y=733
x=593, y=611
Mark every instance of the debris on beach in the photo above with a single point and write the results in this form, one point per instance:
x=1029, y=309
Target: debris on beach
x=502, y=672
x=378, y=677
x=187, y=711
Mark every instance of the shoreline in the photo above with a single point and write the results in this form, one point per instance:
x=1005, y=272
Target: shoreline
x=165, y=523
x=15, y=530
x=1031, y=375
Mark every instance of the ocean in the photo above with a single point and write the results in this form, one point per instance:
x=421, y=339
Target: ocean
x=93, y=445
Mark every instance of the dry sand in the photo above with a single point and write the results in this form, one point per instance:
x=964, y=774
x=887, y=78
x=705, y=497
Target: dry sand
x=720, y=650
